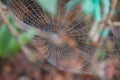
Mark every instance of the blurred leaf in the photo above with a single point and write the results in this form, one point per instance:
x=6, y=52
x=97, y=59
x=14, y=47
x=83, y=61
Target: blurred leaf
x=87, y=6
x=104, y=33
x=12, y=47
x=26, y=37
x=49, y=5
x=71, y=4
x=107, y=5
x=92, y=7
x=97, y=15
x=4, y=37
x=12, y=22
x=102, y=54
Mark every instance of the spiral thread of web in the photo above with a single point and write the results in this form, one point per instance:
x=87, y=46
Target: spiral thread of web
x=73, y=25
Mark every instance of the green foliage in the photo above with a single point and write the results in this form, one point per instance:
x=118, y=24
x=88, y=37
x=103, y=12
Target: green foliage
x=104, y=33
x=12, y=47
x=87, y=6
x=4, y=39
x=12, y=22
x=9, y=45
x=106, y=5
x=102, y=54
x=71, y=4
x=49, y=5
x=27, y=36
x=93, y=8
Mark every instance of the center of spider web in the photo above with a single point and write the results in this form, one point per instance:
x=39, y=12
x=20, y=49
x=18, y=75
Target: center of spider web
x=56, y=40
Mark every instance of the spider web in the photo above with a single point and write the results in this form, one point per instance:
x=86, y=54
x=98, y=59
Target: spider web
x=73, y=26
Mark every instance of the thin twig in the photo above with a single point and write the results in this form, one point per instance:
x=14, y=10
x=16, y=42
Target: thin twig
x=112, y=8
x=116, y=24
x=105, y=22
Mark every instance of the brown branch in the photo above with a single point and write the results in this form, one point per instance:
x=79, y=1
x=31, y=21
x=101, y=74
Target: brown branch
x=105, y=22
x=112, y=8
x=115, y=24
